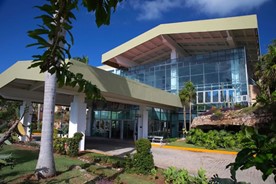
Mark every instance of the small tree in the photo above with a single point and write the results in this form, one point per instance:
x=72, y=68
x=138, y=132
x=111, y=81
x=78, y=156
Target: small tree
x=142, y=161
x=265, y=75
x=187, y=95
x=51, y=37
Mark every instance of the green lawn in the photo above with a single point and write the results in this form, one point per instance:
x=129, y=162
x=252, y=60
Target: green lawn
x=26, y=161
x=100, y=167
x=187, y=145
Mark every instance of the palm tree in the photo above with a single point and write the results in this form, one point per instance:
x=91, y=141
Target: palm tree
x=266, y=74
x=187, y=96
x=83, y=59
x=56, y=23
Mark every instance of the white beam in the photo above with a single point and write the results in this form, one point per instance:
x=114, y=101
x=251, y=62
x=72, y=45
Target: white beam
x=156, y=57
x=167, y=40
x=230, y=40
x=149, y=52
x=123, y=61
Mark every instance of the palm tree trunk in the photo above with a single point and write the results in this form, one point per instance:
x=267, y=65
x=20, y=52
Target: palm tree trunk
x=190, y=117
x=184, y=117
x=45, y=165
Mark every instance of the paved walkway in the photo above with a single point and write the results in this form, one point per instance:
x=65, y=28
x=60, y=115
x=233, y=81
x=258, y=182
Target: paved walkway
x=213, y=163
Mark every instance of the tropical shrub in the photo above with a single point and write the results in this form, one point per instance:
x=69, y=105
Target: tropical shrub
x=60, y=145
x=179, y=176
x=214, y=139
x=260, y=153
x=73, y=144
x=217, y=115
x=142, y=160
x=68, y=146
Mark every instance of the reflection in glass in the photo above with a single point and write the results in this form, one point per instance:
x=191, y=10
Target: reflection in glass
x=215, y=96
x=207, y=96
x=200, y=97
x=223, y=96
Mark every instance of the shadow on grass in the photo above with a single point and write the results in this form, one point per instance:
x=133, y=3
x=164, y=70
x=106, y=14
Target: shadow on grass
x=20, y=154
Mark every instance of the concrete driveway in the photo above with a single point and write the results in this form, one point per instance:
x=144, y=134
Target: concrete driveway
x=213, y=163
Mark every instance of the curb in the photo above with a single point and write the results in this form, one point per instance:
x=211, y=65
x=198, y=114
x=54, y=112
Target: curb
x=195, y=149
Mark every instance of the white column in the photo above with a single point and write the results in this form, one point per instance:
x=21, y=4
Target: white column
x=78, y=118
x=174, y=73
x=139, y=124
x=88, y=122
x=26, y=109
x=143, y=122
x=174, y=54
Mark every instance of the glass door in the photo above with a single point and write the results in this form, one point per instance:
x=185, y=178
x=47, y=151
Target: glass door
x=128, y=129
x=115, y=129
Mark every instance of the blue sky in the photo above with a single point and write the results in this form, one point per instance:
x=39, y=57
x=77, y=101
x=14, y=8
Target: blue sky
x=132, y=18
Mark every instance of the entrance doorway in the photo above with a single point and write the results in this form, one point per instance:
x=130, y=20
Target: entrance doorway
x=115, y=129
x=128, y=129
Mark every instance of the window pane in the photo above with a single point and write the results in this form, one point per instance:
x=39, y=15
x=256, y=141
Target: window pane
x=223, y=96
x=184, y=71
x=231, y=95
x=211, y=78
x=196, y=69
x=207, y=96
x=215, y=96
x=210, y=67
x=197, y=79
x=200, y=97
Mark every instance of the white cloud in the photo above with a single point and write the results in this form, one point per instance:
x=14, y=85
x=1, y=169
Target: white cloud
x=224, y=7
x=154, y=9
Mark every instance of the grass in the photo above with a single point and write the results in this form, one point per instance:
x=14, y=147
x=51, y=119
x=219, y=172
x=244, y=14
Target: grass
x=100, y=168
x=26, y=161
x=187, y=145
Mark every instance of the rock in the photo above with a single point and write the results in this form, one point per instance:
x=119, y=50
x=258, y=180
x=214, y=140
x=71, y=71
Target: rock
x=233, y=117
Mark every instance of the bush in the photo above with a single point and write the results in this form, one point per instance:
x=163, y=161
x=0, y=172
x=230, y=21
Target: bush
x=260, y=154
x=175, y=176
x=142, y=160
x=214, y=139
x=73, y=144
x=78, y=136
x=68, y=146
x=217, y=115
x=60, y=145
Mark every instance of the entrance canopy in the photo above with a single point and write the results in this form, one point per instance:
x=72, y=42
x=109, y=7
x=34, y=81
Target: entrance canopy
x=20, y=83
x=187, y=39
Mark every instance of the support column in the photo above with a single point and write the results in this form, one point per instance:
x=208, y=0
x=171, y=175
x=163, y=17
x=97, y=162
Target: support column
x=88, y=122
x=26, y=108
x=174, y=74
x=143, y=122
x=77, y=121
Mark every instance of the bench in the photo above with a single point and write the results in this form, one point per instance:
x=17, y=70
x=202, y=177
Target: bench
x=153, y=138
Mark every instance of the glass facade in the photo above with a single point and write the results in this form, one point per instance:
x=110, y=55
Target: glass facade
x=219, y=76
x=220, y=79
x=119, y=121
x=114, y=120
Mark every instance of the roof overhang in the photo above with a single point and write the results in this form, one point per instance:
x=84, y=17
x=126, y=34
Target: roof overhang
x=187, y=38
x=20, y=83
